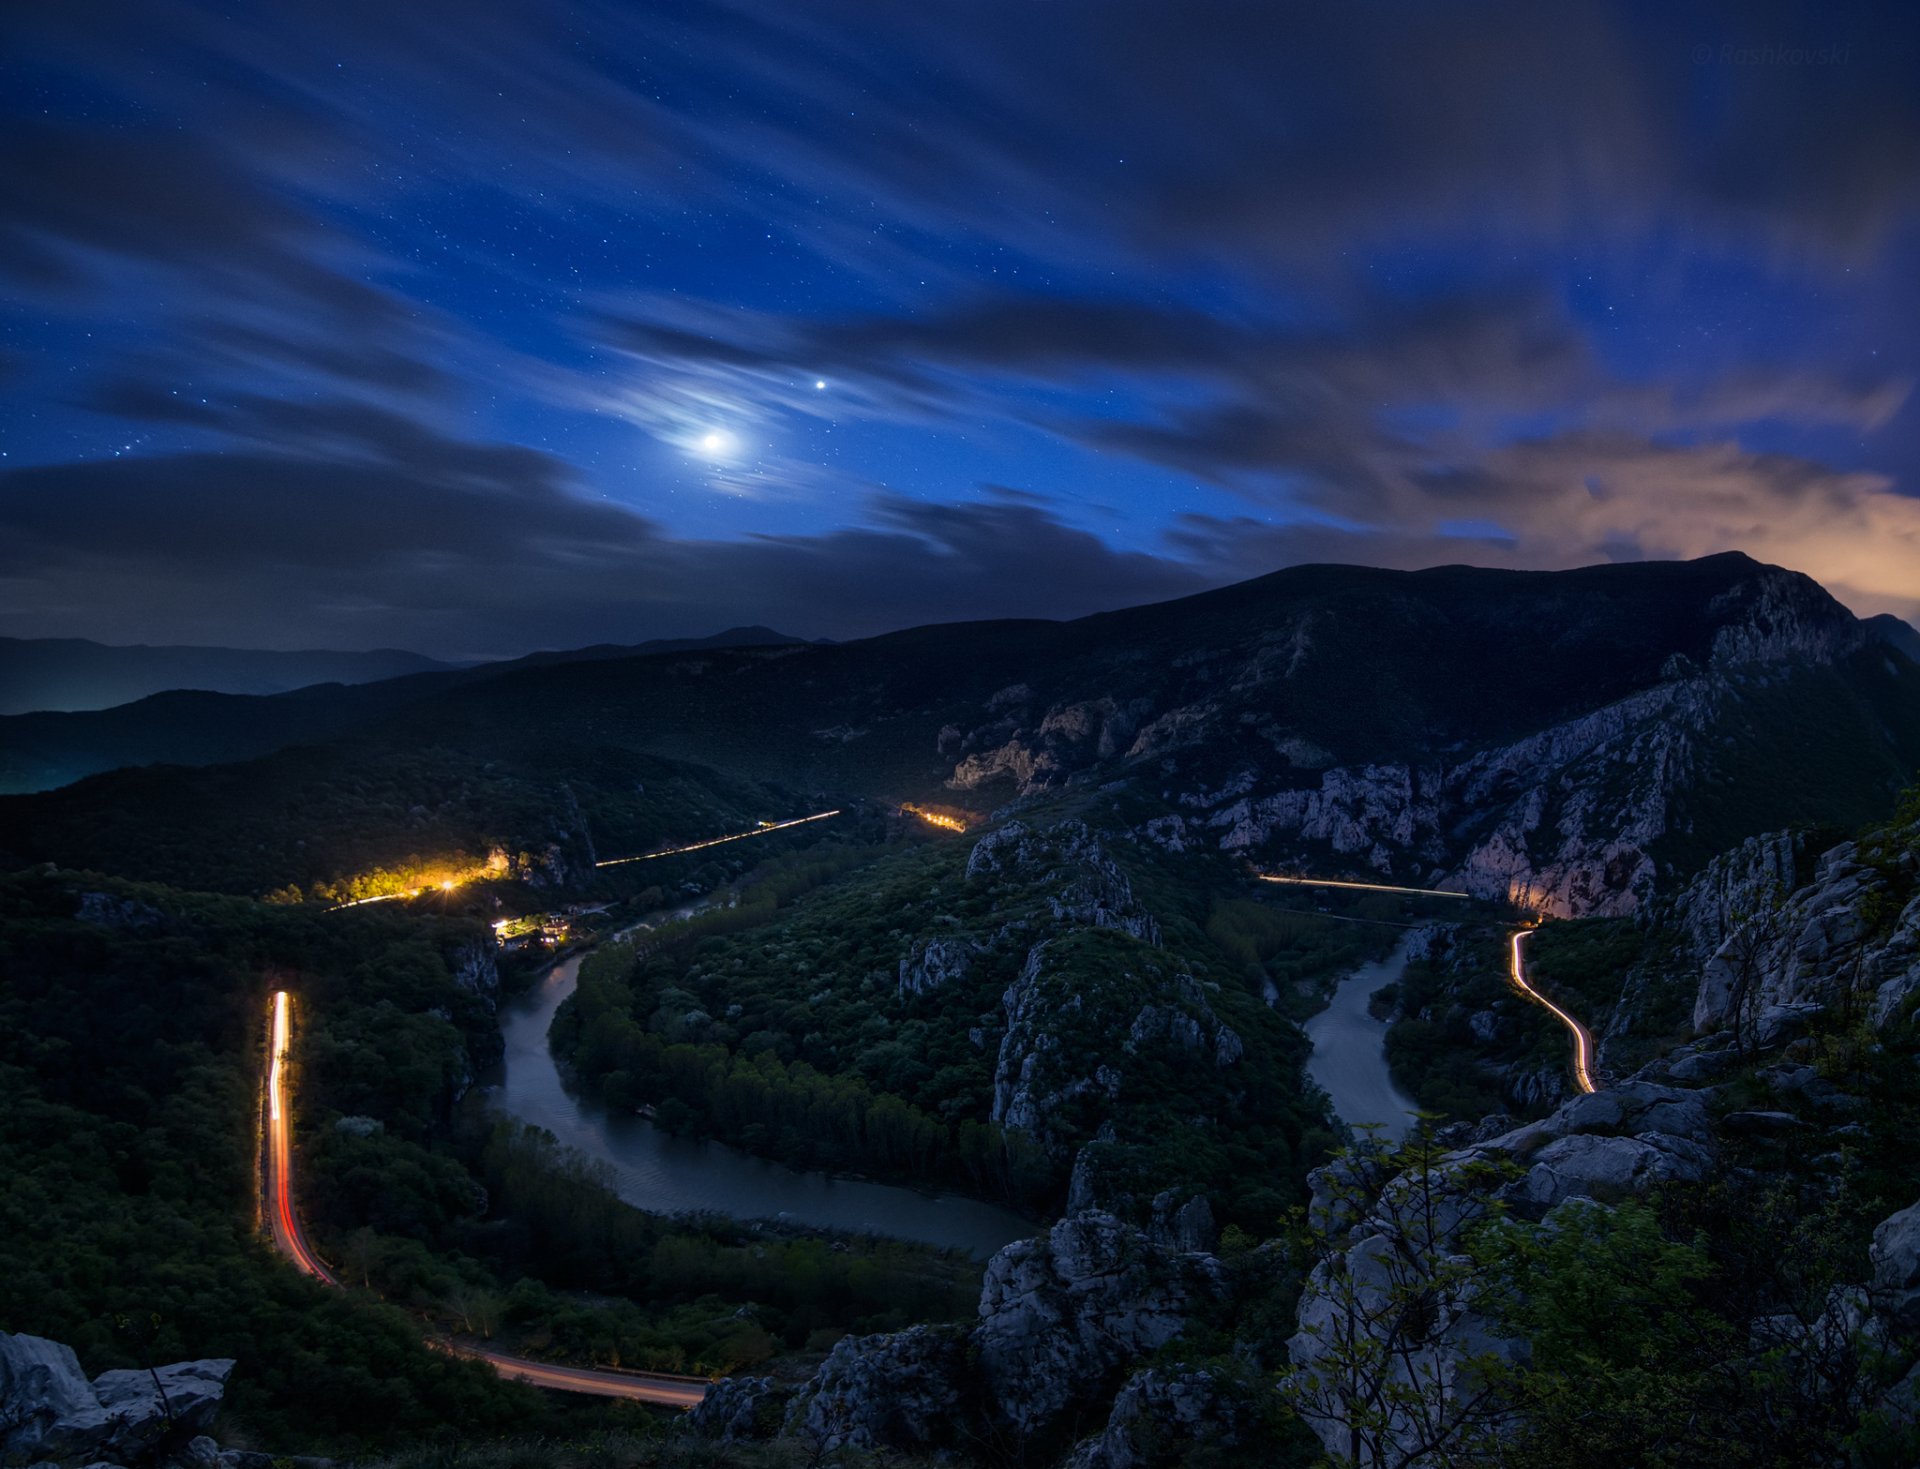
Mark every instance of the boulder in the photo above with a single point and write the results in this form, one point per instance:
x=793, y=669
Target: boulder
x=47, y=1407
x=1895, y=1254
x=739, y=1408
x=1162, y=1417
x=1061, y=1315
x=1608, y=1169
x=898, y=1391
x=150, y=1406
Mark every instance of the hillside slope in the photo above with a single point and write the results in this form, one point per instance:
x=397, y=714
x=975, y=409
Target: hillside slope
x=1562, y=738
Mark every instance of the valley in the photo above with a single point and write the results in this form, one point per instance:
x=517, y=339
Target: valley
x=895, y=1064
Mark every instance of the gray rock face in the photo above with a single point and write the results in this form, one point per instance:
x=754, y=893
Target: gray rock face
x=932, y=963
x=897, y=1391
x=1895, y=1254
x=183, y=1399
x=737, y=1409
x=476, y=969
x=1775, y=956
x=48, y=1409
x=1162, y=1418
x=1061, y=1315
x=1091, y=890
x=106, y=911
x=1592, y=1151
x=1066, y=1039
x=1608, y=1169
x=47, y=1406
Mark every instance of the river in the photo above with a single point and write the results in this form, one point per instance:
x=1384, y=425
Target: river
x=1349, y=1058
x=655, y=1170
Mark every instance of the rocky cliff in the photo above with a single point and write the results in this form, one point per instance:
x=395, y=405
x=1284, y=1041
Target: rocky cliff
x=1570, y=818
x=1774, y=957
x=1065, y=1319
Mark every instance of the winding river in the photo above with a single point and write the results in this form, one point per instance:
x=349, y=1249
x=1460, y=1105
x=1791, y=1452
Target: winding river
x=655, y=1170
x=1349, y=1058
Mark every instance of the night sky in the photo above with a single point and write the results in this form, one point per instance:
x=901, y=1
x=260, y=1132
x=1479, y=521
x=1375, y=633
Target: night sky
x=477, y=327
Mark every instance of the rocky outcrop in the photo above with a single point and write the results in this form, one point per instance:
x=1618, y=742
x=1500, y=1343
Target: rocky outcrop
x=1775, y=957
x=476, y=969
x=1087, y=887
x=1070, y=1035
x=1061, y=1315
x=1404, y=1236
x=49, y=1410
x=932, y=963
x=738, y=1409
x=104, y=910
x=1575, y=809
x=897, y=1391
x=1163, y=1417
x=1062, y=1318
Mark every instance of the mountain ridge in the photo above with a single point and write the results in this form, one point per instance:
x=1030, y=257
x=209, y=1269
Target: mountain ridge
x=1562, y=739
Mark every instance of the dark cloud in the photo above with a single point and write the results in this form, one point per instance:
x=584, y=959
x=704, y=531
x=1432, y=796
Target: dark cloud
x=466, y=549
x=1350, y=268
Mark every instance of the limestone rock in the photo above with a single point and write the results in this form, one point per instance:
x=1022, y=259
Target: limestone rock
x=48, y=1409
x=1061, y=1315
x=149, y=1406
x=1895, y=1254
x=739, y=1408
x=897, y=1391
x=932, y=963
x=47, y=1406
x=1162, y=1417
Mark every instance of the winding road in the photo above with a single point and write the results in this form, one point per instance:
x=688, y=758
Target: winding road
x=283, y=1224
x=1516, y=964
x=1582, y=1039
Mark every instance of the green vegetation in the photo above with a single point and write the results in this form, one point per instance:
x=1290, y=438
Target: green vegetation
x=360, y=817
x=777, y=1020
x=132, y=1023
x=129, y=1051
x=1620, y=1334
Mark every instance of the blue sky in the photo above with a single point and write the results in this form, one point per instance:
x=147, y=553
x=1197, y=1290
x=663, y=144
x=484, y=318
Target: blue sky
x=485, y=326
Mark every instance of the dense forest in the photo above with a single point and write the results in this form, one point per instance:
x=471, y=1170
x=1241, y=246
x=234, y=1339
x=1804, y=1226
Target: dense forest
x=132, y=1027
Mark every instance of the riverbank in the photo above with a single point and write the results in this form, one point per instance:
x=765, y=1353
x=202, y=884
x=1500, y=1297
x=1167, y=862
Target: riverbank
x=654, y=1170
x=1349, y=1060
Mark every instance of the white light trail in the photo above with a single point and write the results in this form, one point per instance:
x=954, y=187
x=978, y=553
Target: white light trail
x=758, y=831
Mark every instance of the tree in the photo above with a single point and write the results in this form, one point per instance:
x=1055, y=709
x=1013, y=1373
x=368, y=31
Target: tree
x=1388, y=1375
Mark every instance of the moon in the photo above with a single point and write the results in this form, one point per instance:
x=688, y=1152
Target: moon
x=717, y=441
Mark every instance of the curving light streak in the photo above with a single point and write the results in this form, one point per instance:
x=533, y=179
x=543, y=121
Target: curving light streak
x=1365, y=887
x=664, y=1389
x=285, y=1226
x=1582, y=1041
x=758, y=831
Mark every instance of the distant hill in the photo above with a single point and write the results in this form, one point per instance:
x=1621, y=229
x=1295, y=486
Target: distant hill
x=1569, y=739
x=74, y=674
x=201, y=725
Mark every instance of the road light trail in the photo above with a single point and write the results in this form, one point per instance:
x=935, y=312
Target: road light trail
x=1365, y=887
x=1582, y=1041
x=758, y=831
x=362, y=902
x=288, y=1238
x=285, y=1225
x=675, y=1392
